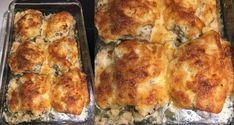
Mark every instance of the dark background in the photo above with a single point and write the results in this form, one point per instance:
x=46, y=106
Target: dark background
x=88, y=9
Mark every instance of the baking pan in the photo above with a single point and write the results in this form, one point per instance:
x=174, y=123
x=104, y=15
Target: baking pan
x=7, y=37
x=226, y=14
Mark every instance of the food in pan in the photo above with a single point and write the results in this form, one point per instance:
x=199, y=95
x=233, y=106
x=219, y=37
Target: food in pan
x=185, y=55
x=205, y=10
x=25, y=57
x=28, y=96
x=103, y=78
x=69, y=92
x=134, y=73
x=137, y=84
x=200, y=75
x=183, y=22
x=58, y=25
x=28, y=24
x=35, y=92
x=117, y=19
x=137, y=81
x=63, y=54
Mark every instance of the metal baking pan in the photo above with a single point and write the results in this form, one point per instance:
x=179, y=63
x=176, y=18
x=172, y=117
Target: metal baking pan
x=7, y=37
x=226, y=13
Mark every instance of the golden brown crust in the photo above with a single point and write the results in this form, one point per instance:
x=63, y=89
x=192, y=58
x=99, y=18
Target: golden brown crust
x=70, y=92
x=28, y=57
x=182, y=20
x=31, y=94
x=117, y=19
x=200, y=79
x=227, y=60
x=189, y=5
x=205, y=10
x=104, y=91
x=58, y=25
x=104, y=94
x=28, y=24
x=139, y=64
x=121, y=18
x=136, y=78
x=63, y=53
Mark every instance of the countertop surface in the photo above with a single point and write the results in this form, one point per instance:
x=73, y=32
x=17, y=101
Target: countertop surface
x=3, y=8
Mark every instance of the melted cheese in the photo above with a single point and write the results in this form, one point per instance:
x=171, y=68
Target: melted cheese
x=69, y=92
x=206, y=10
x=63, y=53
x=104, y=93
x=58, y=25
x=124, y=18
x=182, y=21
x=29, y=93
x=28, y=24
x=203, y=75
x=138, y=77
x=26, y=57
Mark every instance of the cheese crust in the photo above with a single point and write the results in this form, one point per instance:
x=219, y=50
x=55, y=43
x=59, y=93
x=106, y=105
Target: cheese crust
x=205, y=10
x=182, y=21
x=26, y=57
x=70, y=92
x=137, y=77
x=29, y=93
x=58, y=25
x=201, y=74
x=121, y=18
x=63, y=53
x=28, y=24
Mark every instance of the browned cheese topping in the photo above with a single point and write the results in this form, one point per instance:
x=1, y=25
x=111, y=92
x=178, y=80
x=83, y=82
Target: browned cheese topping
x=27, y=57
x=63, y=53
x=123, y=18
x=137, y=76
x=69, y=92
x=58, y=25
x=201, y=73
x=29, y=93
x=28, y=24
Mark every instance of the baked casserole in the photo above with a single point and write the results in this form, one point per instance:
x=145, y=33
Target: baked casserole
x=180, y=73
x=47, y=79
x=119, y=19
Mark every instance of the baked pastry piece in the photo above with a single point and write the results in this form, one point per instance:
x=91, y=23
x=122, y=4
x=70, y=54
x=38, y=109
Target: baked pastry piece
x=182, y=21
x=205, y=10
x=63, y=54
x=69, y=92
x=28, y=24
x=58, y=25
x=116, y=19
x=27, y=56
x=29, y=93
x=137, y=77
x=201, y=73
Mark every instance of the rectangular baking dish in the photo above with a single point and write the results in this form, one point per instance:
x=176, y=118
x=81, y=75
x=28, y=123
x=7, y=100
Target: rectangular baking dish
x=46, y=6
x=226, y=13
